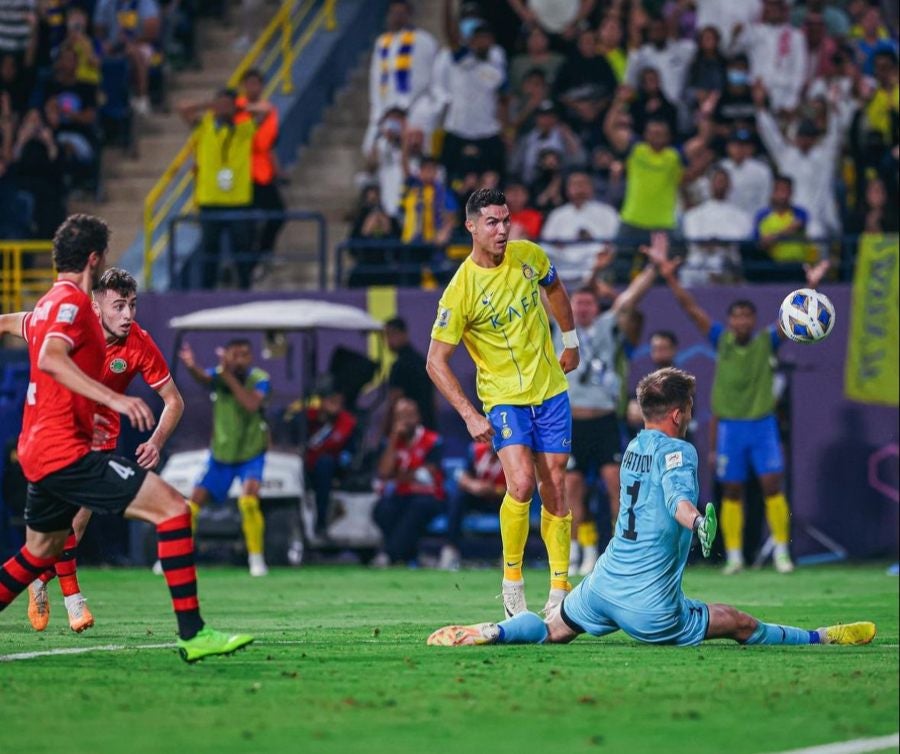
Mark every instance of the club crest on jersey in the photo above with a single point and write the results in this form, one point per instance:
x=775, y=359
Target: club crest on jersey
x=506, y=433
x=118, y=366
x=527, y=271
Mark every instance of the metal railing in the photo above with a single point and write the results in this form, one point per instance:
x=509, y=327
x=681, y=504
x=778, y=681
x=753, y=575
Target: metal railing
x=291, y=29
x=391, y=262
x=179, y=266
x=25, y=273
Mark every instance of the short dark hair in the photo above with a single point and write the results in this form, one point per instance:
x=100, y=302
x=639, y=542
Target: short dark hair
x=227, y=92
x=585, y=289
x=781, y=178
x=483, y=197
x=118, y=280
x=239, y=341
x=741, y=303
x=76, y=239
x=667, y=334
x=252, y=73
x=396, y=323
x=661, y=391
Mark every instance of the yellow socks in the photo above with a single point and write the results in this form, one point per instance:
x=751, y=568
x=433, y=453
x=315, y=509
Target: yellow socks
x=253, y=523
x=195, y=511
x=779, y=518
x=732, y=519
x=514, y=533
x=556, y=531
x=587, y=534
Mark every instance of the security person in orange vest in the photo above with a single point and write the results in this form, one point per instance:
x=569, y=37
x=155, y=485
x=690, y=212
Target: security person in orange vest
x=222, y=179
x=264, y=161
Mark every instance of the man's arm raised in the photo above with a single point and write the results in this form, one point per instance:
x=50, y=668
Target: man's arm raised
x=438, y=367
x=659, y=255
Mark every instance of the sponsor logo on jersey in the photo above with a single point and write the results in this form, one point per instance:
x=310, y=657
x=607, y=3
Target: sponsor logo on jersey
x=118, y=366
x=673, y=460
x=67, y=313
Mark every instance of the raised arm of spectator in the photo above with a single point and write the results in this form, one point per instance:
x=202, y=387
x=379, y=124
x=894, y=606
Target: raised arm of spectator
x=186, y=354
x=191, y=112
x=638, y=287
x=659, y=255
x=619, y=139
x=772, y=139
x=525, y=13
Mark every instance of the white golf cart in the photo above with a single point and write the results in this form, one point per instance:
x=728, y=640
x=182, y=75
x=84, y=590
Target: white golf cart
x=288, y=506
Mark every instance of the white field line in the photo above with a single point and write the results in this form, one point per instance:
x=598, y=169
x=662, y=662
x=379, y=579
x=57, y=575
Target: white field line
x=80, y=651
x=856, y=746
x=122, y=648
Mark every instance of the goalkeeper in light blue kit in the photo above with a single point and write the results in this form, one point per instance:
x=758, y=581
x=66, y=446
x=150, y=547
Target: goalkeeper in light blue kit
x=636, y=585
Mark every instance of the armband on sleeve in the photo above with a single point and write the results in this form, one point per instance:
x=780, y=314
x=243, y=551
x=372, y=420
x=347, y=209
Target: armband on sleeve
x=549, y=278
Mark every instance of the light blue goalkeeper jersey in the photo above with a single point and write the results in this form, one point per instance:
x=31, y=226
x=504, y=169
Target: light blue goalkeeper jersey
x=643, y=565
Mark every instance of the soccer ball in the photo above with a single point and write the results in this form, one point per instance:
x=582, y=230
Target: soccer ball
x=806, y=316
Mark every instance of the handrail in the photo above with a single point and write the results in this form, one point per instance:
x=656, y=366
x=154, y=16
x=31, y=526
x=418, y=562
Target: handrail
x=255, y=215
x=275, y=57
x=18, y=279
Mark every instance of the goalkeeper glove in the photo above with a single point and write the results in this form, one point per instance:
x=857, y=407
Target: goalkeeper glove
x=706, y=527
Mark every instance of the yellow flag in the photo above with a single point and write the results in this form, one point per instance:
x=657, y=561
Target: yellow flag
x=872, y=352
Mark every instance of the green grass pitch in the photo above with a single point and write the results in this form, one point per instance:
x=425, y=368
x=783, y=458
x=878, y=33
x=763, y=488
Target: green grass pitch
x=340, y=665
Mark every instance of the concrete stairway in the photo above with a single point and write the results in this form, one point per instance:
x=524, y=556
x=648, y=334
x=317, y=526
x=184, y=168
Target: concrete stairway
x=323, y=179
x=128, y=178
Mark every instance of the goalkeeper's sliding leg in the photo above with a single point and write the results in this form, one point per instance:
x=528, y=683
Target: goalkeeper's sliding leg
x=721, y=622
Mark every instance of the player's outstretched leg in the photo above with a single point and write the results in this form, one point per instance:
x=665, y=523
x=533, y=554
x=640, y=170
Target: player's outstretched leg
x=524, y=628
x=728, y=622
x=161, y=505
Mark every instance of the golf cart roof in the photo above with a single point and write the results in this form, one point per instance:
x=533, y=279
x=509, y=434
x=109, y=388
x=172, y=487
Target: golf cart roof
x=293, y=314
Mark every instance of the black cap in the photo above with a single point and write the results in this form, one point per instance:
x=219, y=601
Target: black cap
x=742, y=135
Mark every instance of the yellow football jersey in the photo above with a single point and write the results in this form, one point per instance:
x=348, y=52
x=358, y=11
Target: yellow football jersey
x=498, y=315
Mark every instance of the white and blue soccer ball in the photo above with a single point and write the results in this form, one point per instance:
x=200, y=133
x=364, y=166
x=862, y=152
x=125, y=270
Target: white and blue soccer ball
x=806, y=316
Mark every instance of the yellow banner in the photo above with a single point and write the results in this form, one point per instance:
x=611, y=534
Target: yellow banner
x=874, y=346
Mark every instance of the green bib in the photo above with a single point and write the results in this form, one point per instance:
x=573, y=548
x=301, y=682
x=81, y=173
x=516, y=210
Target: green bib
x=742, y=387
x=238, y=434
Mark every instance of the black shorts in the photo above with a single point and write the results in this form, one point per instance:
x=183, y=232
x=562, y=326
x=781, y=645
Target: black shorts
x=596, y=443
x=100, y=482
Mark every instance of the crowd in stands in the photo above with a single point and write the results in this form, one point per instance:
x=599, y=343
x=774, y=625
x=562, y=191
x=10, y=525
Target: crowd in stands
x=72, y=75
x=759, y=133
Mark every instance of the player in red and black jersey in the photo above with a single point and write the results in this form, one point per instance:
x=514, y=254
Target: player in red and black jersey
x=66, y=350
x=129, y=351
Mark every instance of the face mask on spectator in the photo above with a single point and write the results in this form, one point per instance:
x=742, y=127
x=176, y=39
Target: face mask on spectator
x=737, y=77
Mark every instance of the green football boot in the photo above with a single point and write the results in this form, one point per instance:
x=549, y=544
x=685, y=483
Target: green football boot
x=209, y=642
